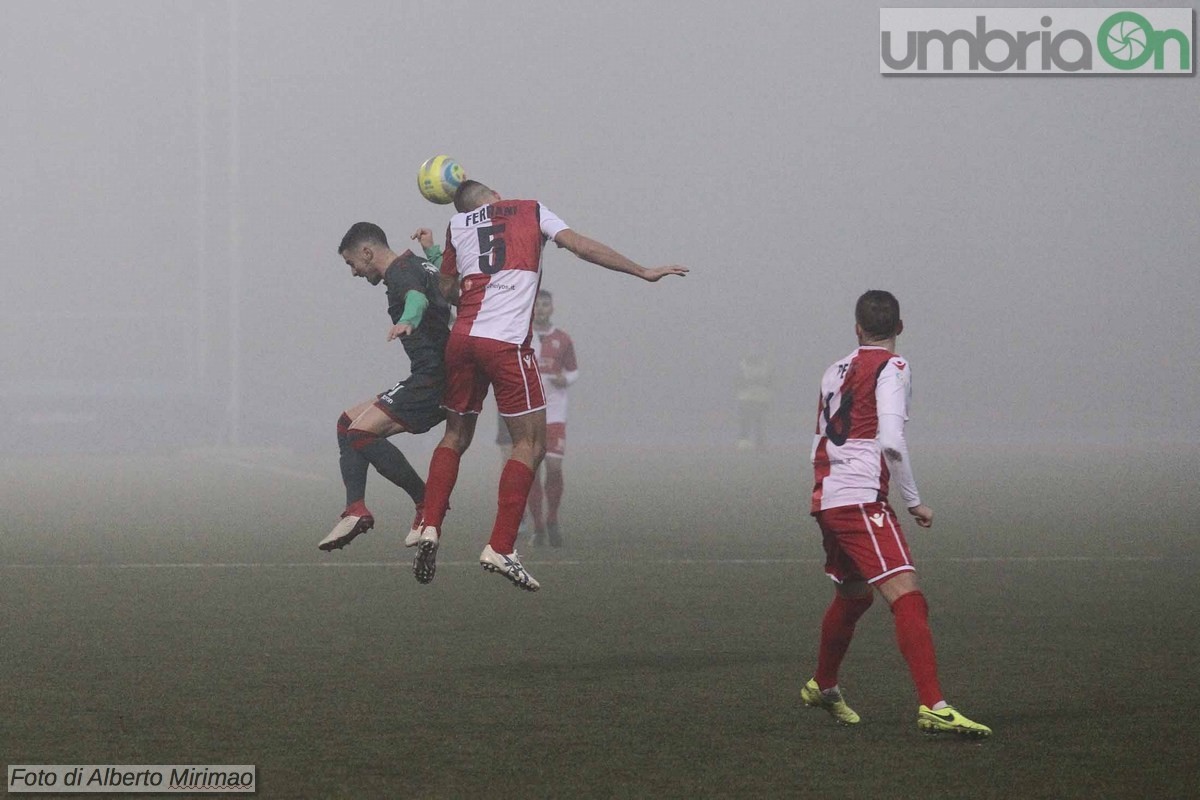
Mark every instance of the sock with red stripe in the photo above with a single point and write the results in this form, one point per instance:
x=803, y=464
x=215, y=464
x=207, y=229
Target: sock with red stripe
x=388, y=461
x=535, y=505
x=554, y=493
x=443, y=474
x=911, y=613
x=354, y=465
x=515, y=480
x=837, y=630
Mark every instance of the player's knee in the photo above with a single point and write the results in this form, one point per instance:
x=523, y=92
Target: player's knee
x=899, y=585
x=529, y=451
x=359, y=438
x=456, y=441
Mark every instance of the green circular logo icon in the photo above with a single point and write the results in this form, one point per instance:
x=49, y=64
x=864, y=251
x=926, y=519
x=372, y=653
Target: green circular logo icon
x=1126, y=40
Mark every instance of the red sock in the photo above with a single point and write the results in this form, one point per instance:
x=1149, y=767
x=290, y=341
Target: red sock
x=535, y=504
x=554, y=493
x=443, y=474
x=358, y=508
x=837, y=629
x=515, y=481
x=916, y=645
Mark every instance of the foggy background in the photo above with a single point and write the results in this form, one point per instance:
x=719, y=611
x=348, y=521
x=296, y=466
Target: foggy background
x=177, y=176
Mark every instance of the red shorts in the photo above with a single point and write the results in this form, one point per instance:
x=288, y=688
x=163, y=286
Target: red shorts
x=474, y=363
x=556, y=439
x=863, y=543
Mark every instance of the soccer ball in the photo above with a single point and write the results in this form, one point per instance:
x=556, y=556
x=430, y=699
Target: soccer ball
x=438, y=178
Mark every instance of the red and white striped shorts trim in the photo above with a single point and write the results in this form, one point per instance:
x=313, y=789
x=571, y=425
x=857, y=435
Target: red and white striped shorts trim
x=473, y=363
x=863, y=542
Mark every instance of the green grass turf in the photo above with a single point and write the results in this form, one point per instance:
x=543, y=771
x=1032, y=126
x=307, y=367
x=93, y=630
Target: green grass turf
x=663, y=657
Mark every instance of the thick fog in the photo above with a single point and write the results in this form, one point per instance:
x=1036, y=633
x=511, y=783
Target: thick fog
x=177, y=177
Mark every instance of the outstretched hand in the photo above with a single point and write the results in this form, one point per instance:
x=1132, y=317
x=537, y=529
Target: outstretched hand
x=653, y=275
x=398, y=330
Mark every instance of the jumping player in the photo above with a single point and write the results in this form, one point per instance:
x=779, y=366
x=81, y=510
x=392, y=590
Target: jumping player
x=555, y=353
x=420, y=317
x=858, y=450
x=492, y=263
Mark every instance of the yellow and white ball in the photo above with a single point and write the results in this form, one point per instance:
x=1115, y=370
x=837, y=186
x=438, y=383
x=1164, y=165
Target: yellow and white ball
x=438, y=178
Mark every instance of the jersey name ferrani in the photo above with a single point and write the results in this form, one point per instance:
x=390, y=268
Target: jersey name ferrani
x=848, y=463
x=495, y=252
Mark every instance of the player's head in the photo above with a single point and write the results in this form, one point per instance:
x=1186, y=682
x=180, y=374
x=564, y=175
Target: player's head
x=877, y=317
x=543, y=307
x=470, y=195
x=365, y=249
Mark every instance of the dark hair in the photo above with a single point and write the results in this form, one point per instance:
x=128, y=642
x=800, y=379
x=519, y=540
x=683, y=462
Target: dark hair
x=470, y=195
x=878, y=313
x=362, y=233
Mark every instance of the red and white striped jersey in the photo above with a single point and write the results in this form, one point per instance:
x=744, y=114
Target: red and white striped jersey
x=861, y=413
x=495, y=252
x=556, y=356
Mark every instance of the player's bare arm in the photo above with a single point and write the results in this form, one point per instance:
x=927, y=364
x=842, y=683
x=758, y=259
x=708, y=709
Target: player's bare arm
x=602, y=255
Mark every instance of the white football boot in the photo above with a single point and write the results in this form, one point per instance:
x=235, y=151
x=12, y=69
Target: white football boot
x=347, y=528
x=510, y=567
x=425, y=562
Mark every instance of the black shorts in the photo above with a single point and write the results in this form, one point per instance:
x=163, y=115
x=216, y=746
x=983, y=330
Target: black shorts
x=415, y=403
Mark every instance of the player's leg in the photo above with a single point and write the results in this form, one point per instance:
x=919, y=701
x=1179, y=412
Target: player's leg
x=518, y=476
x=369, y=435
x=553, y=469
x=504, y=442
x=851, y=599
x=520, y=399
x=535, y=508
x=500, y=556
x=465, y=389
x=443, y=474
x=556, y=448
x=355, y=518
x=910, y=613
x=443, y=466
x=354, y=466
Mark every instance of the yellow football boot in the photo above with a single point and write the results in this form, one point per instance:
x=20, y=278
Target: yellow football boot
x=948, y=720
x=832, y=702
